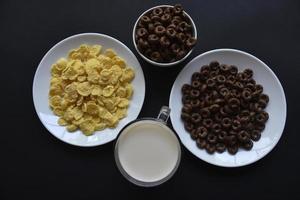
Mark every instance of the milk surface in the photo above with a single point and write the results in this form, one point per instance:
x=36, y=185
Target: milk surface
x=148, y=151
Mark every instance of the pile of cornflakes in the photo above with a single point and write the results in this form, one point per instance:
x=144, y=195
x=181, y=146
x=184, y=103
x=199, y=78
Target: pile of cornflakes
x=90, y=91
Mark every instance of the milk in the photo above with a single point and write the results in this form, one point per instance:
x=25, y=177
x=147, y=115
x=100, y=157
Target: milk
x=148, y=151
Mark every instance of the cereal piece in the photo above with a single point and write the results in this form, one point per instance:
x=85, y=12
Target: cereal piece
x=62, y=122
x=61, y=64
x=78, y=122
x=93, y=76
x=84, y=88
x=87, y=127
x=109, y=104
x=121, y=92
x=110, y=53
x=91, y=65
x=55, y=90
x=54, y=71
x=95, y=50
x=105, y=74
x=55, y=101
x=108, y=91
x=97, y=91
x=100, y=126
x=123, y=103
x=128, y=75
x=112, y=121
x=121, y=113
x=69, y=73
x=92, y=108
x=72, y=128
x=58, y=111
x=119, y=61
x=117, y=71
x=129, y=91
x=77, y=113
x=81, y=78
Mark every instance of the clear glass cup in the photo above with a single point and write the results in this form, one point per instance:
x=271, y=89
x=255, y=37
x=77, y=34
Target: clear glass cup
x=160, y=121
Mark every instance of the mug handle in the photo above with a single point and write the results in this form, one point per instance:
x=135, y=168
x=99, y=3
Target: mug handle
x=164, y=114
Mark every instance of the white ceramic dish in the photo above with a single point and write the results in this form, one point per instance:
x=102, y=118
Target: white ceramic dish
x=158, y=63
x=276, y=107
x=41, y=85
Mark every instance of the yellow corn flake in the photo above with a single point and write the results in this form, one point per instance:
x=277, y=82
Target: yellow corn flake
x=105, y=61
x=108, y=90
x=91, y=65
x=121, y=92
x=71, y=97
x=93, y=76
x=95, y=50
x=78, y=122
x=54, y=71
x=112, y=121
x=62, y=122
x=55, y=101
x=55, y=90
x=81, y=78
x=92, y=108
x=55, y=81
x=71, y=88
x=100, y=126
x=121, y=113
x=99, y=101
x=116, y=69
x=79, y=101
x=105, y=74
x=123, y=103
x=84, y=88
x=77, y=113
x=89, y=90
x=128, y=75
x=72, y=127
x=61, y=64
x=79, y=67
x=129, y=91
x=109, y=104
x=87, y=127
x=69, y=73
x=96, y=91
x=58, y=111
x=69, y=114
x=110, y=53
x=119, y=61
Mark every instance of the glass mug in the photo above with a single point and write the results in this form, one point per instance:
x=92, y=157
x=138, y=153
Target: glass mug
x=147, y=152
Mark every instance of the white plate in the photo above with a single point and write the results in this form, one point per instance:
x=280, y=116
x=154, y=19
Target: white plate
x=41, y=84
x=276, y=107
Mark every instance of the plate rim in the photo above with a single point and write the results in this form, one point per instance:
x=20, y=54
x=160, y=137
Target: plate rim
x=50, y=50
x=280, y=88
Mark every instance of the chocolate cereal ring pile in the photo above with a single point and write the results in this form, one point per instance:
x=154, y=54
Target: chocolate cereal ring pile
x=224, y=108
x=165, y=34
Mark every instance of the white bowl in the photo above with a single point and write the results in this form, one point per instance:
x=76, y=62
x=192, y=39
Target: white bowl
x=158, y=63
x=276, y=107
x=41, y=84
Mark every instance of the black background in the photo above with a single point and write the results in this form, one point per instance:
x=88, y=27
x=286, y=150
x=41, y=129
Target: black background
x=34, y=164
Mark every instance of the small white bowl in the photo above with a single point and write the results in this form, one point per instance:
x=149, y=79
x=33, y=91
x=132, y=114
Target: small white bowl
x=158, y=63
x=41, y=84
x=276, y=107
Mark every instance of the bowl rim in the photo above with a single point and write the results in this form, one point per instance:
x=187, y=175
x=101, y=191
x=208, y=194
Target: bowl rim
x=158, y=63
x=284, y=110
x=44, y=57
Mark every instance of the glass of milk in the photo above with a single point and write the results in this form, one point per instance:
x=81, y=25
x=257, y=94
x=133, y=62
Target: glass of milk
x=147, y=151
